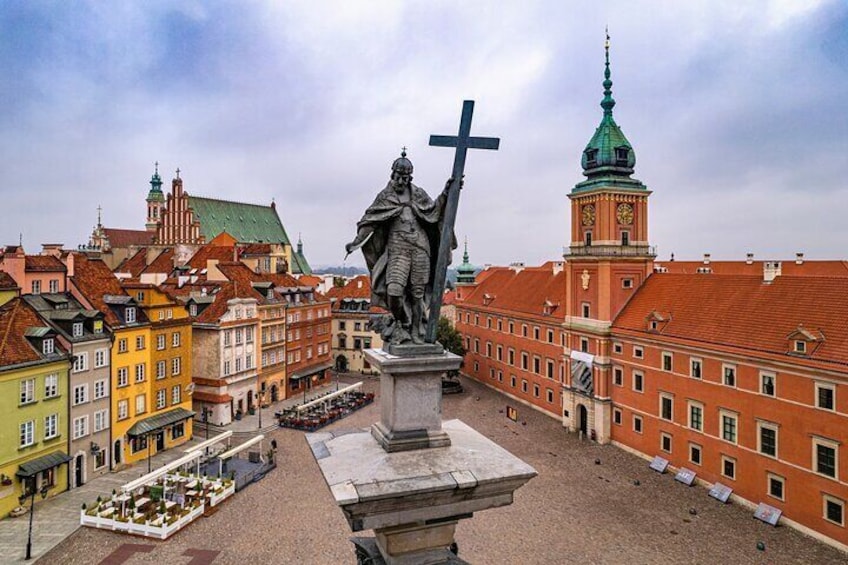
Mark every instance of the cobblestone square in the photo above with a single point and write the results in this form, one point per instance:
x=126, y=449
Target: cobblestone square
x=575, y=511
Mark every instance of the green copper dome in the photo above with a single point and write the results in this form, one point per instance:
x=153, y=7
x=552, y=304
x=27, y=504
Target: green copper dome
x=608, y=158
x=156, y=186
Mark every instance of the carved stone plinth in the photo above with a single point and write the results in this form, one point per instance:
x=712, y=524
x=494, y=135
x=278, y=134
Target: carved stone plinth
x=411, y=399
x=412, y=499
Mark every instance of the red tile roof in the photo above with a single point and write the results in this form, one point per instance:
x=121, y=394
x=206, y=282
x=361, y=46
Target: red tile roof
x=125, y=238
x=788, y=268
x=255, y=249
x=525, y=290
x=44, y=263
x=357, y=287
x=309, y=280
x=6, y=281
x=134, y=264
x=214, y=252
x=163, y=263
x=94, y=280
x=743, y=312
x=449, y=299
x=15, y=317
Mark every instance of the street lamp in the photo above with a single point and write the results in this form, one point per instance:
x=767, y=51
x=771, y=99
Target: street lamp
x=45, y=488
x=260, y=395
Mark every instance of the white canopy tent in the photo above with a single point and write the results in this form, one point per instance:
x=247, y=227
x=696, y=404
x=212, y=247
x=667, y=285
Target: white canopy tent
x=329, y=397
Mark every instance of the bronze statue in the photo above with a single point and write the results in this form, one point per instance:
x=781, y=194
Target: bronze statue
x=399, y=235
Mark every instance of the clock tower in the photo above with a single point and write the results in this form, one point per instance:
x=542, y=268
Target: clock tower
x=607, y=260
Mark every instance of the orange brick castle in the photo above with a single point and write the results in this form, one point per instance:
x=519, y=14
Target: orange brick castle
x=737, y=371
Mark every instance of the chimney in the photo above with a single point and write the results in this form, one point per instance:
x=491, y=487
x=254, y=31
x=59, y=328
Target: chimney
x=54, y=249
x=706, y=258
x=771, y=270
x=749, y=259
x=558, y=267
x=799, y=258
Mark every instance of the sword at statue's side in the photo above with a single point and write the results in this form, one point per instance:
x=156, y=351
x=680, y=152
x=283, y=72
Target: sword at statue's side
x=462, y=142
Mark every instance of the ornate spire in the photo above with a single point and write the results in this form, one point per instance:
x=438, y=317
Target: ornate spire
x=299, y=244
x=465, y=272
x=607, y=103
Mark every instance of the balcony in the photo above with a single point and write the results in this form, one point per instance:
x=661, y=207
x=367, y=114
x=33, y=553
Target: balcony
x=610, y=251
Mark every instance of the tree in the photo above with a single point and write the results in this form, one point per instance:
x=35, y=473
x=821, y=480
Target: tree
x=450, y=339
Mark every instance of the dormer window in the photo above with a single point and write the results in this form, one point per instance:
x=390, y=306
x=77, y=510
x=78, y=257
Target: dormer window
x=140, y=295
x=803, y=341
x=192, y=309
x=98, y=326
x=621, y=154
x=48, y=346
x=130, y=315
x=77, y=329
x=591, y=157
x=488, y=298
x=800, y=346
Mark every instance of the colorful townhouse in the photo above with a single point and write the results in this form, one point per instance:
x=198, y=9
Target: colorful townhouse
x=351, y=333
x=34, y=401
x=93, y=284
x=170, y=421
x=35, y=274
x=83, y=333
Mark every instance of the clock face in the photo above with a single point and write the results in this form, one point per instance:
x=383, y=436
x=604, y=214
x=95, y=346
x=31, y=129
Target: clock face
x=624, y=214
x=588, y=215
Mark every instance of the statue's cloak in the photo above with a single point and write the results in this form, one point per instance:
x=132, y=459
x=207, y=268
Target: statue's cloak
x=379, y=216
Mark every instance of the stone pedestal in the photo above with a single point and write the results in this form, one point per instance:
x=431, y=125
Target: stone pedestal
x=413, y=499
x=411, y=399
x=411, y=478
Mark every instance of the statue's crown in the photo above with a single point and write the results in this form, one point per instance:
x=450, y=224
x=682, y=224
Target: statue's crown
x=402, y=164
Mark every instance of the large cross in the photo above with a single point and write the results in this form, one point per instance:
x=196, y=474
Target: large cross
x=463, y=142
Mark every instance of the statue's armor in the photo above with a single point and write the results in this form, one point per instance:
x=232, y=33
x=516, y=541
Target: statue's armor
x=409, y=251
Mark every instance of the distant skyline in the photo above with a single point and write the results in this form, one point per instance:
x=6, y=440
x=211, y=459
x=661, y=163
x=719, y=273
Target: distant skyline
x=736, y=112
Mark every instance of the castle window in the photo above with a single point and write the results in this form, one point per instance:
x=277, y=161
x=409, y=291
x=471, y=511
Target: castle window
x=627, y=283
x=588, y=238
x=591, y=157
x=625, y=238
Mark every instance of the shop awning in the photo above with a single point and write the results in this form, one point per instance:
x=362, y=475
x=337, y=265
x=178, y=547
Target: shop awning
x=309, y=371
x=159, y=421
x=39, y=464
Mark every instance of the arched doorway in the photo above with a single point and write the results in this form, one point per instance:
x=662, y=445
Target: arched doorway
x=582, y=418
x=275, y=391
x=117, y=452
x=249, y=399
x=341, y=364
x=79, y=470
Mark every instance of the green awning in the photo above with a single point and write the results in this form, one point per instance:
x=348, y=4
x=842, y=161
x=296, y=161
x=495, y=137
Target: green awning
x=39, y=464
x=159, y=421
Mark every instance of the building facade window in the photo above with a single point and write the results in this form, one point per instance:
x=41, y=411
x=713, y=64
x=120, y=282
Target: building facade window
x=80, y=363
x=695, y=453
x=638, y=381
x=825, y=457
x=27, y=391
x=638, y=352
x=51, y=386
x=767, y=439
x=161, y=399
x=695, y=368
x=825, y=396
x=728, y=467
x=80, y=427
x=665, y=442
x=834, y=509
x=139, y=373
x=617, y=376
x=100, y=389
x=161, y=369
x=122, y=345
x=637, y=424
x=123, y=376
x=123, y=409
x=729, y=426
x=101, y=358
x=160, y=342
x=666, y=407
x=80, y=394
x=616, y=416
x=101, y=420
x=768, y=384
x=51, y=426
x=176, y=366
x=27, y=433
x=141, y=404
x=729, y=372
x=776, y=486
x=175, y=394
x=667, y=361
x=696, y=416
x=139, y=343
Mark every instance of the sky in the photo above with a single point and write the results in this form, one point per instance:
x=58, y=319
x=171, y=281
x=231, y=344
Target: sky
x=736, y=112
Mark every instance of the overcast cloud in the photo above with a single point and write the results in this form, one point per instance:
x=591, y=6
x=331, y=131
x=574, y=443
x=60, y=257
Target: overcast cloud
x=736, y=111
